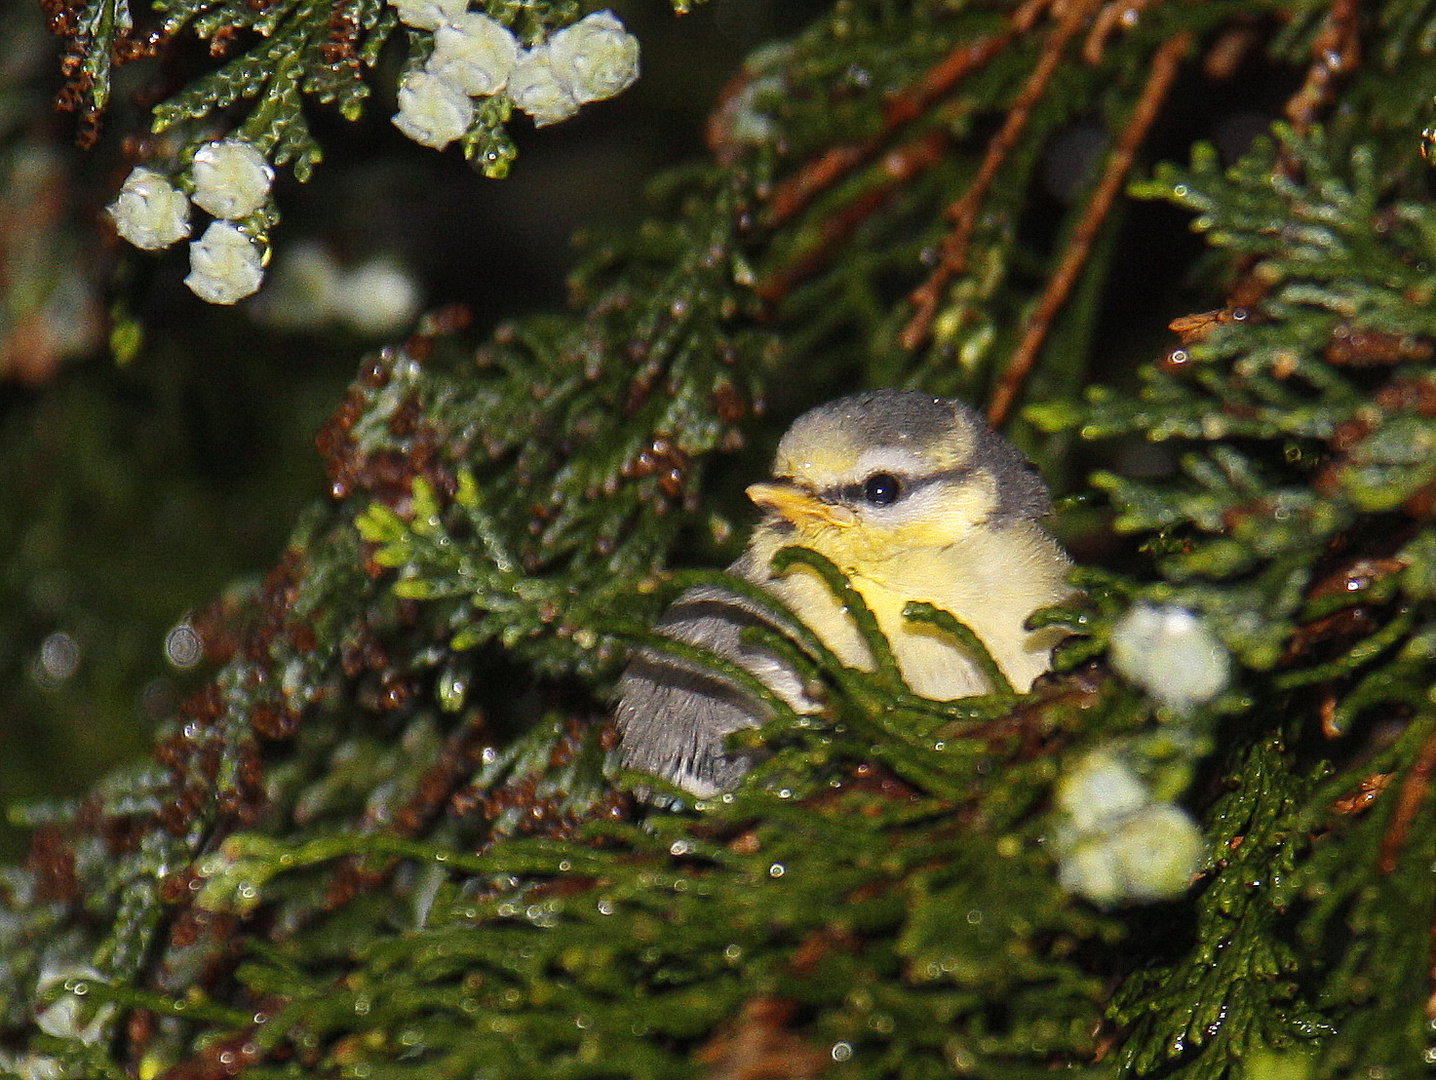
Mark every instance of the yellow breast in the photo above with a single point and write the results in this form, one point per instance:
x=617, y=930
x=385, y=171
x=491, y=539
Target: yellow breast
x=992, y=582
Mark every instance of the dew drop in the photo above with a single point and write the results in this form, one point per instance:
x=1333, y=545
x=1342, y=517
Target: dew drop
x=59, y=658
x=183, y=646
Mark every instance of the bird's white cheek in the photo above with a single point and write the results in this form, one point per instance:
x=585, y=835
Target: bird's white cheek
x=954, y=514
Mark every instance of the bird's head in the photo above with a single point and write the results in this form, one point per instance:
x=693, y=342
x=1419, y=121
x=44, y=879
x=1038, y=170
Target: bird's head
x=872, y=475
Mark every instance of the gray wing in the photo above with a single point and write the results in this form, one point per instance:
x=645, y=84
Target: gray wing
x=673, y=716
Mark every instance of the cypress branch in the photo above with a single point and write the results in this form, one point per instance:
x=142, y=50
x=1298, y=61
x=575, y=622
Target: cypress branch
x=379, y=838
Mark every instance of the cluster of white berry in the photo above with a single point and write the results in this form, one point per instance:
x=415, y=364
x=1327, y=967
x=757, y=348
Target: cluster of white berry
x=476, y=56
x=311, y=290
x=1117, y=841
x=1172, y=654
x=230, y=180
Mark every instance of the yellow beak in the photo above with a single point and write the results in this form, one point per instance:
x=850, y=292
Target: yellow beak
x=796, y=505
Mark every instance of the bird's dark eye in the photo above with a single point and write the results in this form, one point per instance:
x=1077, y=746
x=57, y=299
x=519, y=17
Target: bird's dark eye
x=882, y=489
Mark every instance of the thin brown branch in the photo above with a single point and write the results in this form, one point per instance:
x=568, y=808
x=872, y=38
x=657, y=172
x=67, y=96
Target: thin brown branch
x=963, y=213
x=898, y=166
x=792, y=195
x=1335, y=51
x=1117, y=14
x=1233, y=44
x=1165, y=63
x=1415, y=788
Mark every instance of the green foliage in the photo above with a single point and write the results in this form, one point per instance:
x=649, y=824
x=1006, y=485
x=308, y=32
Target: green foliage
x=381, y=841
x=1298, y=525
x=621, y=949
x=625, y=946
x=289, y=61
x=1235, y=993
x=1295, y=457
x=556, y=533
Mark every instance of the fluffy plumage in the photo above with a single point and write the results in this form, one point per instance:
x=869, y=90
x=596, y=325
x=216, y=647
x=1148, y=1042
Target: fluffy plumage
x=914, y=498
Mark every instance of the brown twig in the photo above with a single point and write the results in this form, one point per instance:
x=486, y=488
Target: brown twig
x=1415, y=787
x=1116, y=14
x=1335, y=51
x=898, y=166
x=792, y=195
x=963, y=213
x=1164, y=71
x=1368, y=791
x=759, y=1045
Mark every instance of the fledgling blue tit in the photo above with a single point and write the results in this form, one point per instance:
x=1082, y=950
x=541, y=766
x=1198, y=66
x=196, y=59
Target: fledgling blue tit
x=912, y=497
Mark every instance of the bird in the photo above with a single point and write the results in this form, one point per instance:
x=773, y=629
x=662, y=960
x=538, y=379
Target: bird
x=914, y=498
